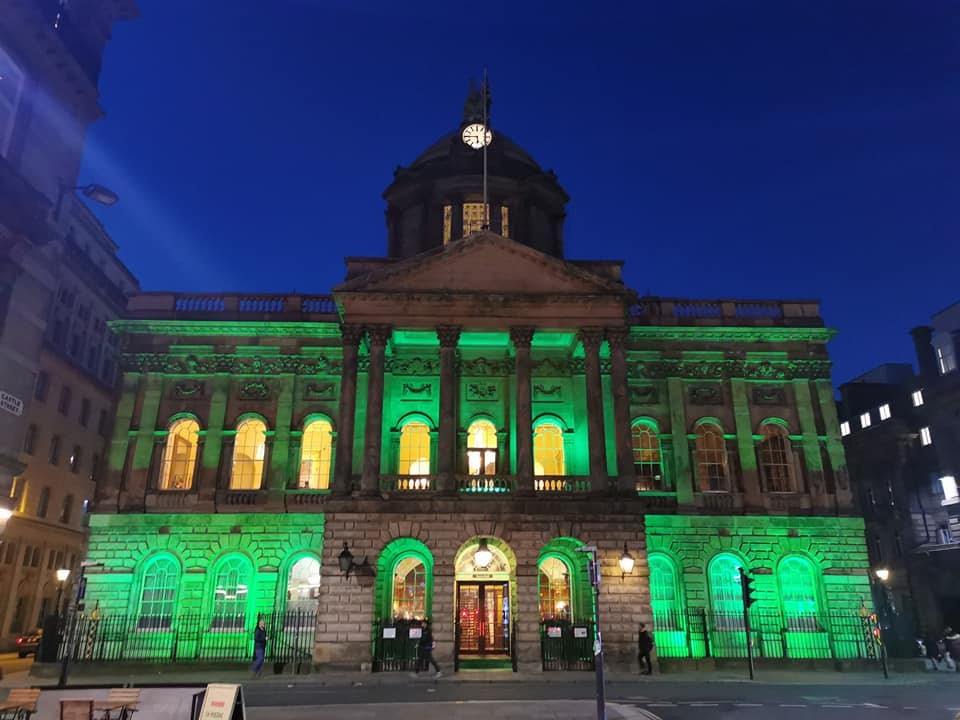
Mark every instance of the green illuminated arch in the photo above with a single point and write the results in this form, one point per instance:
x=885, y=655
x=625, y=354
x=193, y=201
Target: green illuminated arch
x=416, y=416
x=564, y=549
x=392, y=555
x=774, y=421
x=230, y=593
x=551, y=419
x=798, y=581
x=666, y=588
x=243, y=417
x=183, y=415
x=157, y=593
x=723, y=580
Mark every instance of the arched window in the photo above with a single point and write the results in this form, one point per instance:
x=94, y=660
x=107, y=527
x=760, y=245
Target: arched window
x=798, y=590
x=665, y=597
x=414, y=449
x=726, y=596
x=409, y=589
x=249, y=450
x=554, y=590
x=158, y=594
x=711, y=454
x=180, y=455
x=775, y=459
x=303, y=587
x=315, y=452
x=548, y=457
x=646, y=456
x=482, y=448
x=231, y=592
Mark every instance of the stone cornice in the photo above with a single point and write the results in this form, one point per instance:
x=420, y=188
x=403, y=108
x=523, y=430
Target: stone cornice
x=724, y=369
x=726, y=333
x=238, y=328
x=231, y=364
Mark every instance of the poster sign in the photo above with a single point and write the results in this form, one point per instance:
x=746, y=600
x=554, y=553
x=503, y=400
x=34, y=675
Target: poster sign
x=554, y=632
x=11, y=403
x=389, y=633
x=223, y=702
x=580, y=632
x=416, y=633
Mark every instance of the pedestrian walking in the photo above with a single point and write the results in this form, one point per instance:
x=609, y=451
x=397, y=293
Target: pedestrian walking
x=951, y=642
x=259, y=648
x=645, y=647
x=425, y=648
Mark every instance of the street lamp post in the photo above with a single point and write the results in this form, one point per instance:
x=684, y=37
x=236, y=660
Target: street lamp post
x=71, y=625
x=62, y=575
x=879, y=579
x=97, y=193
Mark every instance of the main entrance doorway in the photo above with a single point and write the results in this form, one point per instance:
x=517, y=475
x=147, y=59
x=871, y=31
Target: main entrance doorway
x=483, y=618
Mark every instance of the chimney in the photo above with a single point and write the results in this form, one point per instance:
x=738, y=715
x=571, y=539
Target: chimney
x=923, y=344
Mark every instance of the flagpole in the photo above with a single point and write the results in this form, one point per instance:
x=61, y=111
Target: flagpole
x=486, y=206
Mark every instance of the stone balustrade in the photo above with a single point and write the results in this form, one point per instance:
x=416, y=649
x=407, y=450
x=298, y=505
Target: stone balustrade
x=229, y=306
x=685, y=311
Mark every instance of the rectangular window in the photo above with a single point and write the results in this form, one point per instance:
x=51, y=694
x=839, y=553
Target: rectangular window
x=94, y=467
x=946, y=359
x=474, y=217
x=505, y=221
x=948, y=483
x=865, y=420
x=447, y=223
x=42, y=387
x=925, y=437
x=54, y=456
x=75, y=459
x=917, y=398
x=11, y=87
x=102, y=424
x=884, y=412
x=30, y=439
x=85, y=411
x=844, y=428
x=66, y=394
x=877, y=549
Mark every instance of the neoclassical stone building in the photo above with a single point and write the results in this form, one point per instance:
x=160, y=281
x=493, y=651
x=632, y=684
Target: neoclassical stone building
x=464, y=414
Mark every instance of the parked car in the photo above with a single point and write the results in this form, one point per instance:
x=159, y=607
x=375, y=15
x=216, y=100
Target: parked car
x=27, y=644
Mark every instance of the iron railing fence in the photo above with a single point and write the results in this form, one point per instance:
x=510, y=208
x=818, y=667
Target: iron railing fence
x=187, y=638
x=699, y=633
x=395, y=647
x=566, y=646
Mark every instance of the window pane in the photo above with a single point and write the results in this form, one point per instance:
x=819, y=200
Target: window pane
x=248, y=453
x=726, y=598
x=711, y=453
x=158, y=595
x=775, y=464
x=798, y=588
x=554, y=590
x=315, y=454
x=409, y=589
x=505, y=221
x=447, y=223
x=473, y=218
x=303, y=586
x=664, y=597
x=482, y=448
x=548, y=457
x=414, y=449
x=180, y=455
x=230, y=595
x=646, y=457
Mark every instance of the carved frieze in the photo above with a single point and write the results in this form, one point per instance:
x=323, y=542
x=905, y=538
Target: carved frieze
x=482, y=391
x=320, y=391
x=644, y=394
x=706, y=395
x=416, y=391
x=188, y=390
x=254, y=390
x=550, y=367
x=769, y=395
x=547, y=393
x=730, y=368
x=230, y=364
x=484, y=367
x=413, y=365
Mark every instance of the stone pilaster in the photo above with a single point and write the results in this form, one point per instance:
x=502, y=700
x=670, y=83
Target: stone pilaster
x=138, y=480
x=838, y=460
x=811, y=442
x=343, y=468
x=211, y=456
x=108, y=491
x=370, y=480
x=617, y=338
x=278, y=479
x=683, y=480
x=592, y=339
x=747, y=452
x=521, y=337
x=448, y=336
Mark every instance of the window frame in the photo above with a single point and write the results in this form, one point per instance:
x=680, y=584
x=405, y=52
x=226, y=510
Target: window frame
x=775, y=459
x=244, y=565
x=408, y=454
x=168, y=460
x=707, y=457
x=795, y=618
x=669, y=618
x=558, y=430
x=257, y=465
x=646, y=482
x=166, y=621
x=325, y=450
x=483, y=452
x=726, y=603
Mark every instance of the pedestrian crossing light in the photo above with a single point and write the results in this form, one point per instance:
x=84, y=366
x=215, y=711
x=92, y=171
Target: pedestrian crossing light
x=748, y=589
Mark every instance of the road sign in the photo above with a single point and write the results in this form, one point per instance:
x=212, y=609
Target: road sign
x=11, y=403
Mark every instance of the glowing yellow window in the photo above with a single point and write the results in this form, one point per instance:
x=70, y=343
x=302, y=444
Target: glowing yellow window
x=474, y=218
x=414, y=449
x=447, y=223
x=249, y=449
x=482, y=448
x=409, y=589
x=180, y=455
x=315, y=453
x=548, y=450
x=554, y=590
x=505, y=221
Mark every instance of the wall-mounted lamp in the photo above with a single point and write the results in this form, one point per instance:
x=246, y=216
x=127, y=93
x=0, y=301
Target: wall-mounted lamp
x=883, y=574
x=482, y=557
x=626, y=563
x=348, y=564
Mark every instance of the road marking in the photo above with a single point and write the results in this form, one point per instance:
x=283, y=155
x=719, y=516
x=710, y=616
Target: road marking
x=830, y=705
x=703, y=704
x=791, y=705
x=663, y=704
x=748, y=704
x=909, y=707
x=632, y=712
x=874, y=706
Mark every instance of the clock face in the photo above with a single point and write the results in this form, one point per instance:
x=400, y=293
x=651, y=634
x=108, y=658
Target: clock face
x=476, y=136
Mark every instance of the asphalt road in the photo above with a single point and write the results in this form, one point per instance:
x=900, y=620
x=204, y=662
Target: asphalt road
x=11, y=664
x=659, y=698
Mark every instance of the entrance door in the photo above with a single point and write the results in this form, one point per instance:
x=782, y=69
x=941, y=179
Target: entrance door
x=483, y=618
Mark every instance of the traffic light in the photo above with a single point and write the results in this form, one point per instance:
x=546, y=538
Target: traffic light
x=749, y=591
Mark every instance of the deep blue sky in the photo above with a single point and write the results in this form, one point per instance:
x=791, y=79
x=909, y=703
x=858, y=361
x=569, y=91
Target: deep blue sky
x=772, y=148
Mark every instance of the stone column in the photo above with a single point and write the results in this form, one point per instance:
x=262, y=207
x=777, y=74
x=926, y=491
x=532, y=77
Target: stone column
x=619, y=385
x=521, y=338
x=746, y=450
x=370, y=480
x=350, y=335
x=683, y=474
x=592, y=339
x=449, y=336
x=838, y=460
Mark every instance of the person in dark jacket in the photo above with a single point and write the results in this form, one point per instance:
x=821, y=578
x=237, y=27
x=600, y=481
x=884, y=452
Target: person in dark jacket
x=259, y=648
x=645, y=647
x=951, y=641
x=425, y=648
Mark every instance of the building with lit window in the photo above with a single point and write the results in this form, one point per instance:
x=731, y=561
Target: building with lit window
x=444, y=433
x=902, y=435
x=60, y=283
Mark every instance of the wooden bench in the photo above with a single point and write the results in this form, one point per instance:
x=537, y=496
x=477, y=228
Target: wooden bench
x=122, y=701
x=20, y=704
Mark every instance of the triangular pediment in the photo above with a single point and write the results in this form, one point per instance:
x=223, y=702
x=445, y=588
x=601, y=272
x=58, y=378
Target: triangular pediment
x=483, y=263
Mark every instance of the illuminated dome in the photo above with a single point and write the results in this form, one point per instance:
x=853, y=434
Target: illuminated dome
x=439, y=197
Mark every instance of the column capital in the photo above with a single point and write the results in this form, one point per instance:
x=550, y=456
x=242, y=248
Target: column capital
x=448, y=335
x=522, y=336
x=617, y=337
x=379, y=334
x=591, y=337
x=351, y=334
